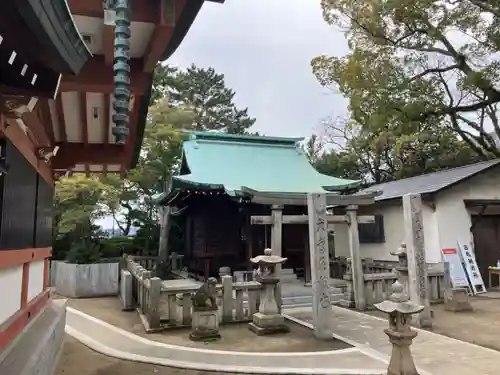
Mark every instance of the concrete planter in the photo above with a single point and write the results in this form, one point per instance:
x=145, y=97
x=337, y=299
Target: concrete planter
x=84, y=280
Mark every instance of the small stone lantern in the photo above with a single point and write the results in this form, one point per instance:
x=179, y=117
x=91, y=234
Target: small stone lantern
x=400, y=334
x=268, y=320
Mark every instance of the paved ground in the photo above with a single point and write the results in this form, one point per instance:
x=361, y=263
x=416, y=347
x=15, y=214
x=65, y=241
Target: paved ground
x=236, y=337
x=481, y=326
x=76, y=358
x=121, y=344
x=434, y=353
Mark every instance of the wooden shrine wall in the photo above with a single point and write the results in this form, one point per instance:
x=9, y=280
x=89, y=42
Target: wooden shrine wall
x=218, y=232
x=26, y=204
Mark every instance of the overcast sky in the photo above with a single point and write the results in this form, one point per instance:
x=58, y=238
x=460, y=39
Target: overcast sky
x=264, y=49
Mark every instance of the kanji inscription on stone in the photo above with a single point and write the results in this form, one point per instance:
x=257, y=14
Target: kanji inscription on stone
x=320, y=265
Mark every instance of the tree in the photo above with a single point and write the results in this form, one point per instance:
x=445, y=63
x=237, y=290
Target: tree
x=79, y=201
x=160, y=153
x=383, y=154
x=204, y=92
x=419, y=65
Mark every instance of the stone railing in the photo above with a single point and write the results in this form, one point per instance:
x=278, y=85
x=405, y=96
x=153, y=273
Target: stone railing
x=378, y=286
x=243, y=276
x=237, y=302
x=163, y=307
x=138, y=288
x=150, y=262
x=147, y=262
x=338, y=266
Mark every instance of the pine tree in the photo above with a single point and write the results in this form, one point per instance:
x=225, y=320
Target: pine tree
x=204, y=92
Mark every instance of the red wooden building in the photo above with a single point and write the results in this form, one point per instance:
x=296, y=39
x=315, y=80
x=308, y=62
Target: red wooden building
x=57, y=87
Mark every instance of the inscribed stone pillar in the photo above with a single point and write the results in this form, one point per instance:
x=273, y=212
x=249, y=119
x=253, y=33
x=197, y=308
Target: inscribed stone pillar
x=320, y=266
x=277, y=244
x=358, y=282
x=415, y=248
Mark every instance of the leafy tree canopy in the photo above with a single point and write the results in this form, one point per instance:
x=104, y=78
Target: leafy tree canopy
x=418, y=66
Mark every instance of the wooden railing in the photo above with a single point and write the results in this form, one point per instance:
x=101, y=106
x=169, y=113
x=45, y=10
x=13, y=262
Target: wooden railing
x=162, y=307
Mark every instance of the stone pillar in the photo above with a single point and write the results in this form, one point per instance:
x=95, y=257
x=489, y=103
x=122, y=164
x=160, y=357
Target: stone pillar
x=349, y=292
x=320, y=266
x=126, y=295
x=417, y=267
x=277, y=244
x=227, y=298
x=356, y=262
x=277, y=229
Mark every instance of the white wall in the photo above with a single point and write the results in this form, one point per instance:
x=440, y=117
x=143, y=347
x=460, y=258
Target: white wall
x=393, y=228
x=448, y=223
x=394, y=233
x=453, y=217
x=35, y=282
x=11, y=281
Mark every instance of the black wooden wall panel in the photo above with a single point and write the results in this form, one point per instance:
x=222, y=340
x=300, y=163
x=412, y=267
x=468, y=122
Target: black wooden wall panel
x=2, y=155
x=43, y=223
x=18, y=202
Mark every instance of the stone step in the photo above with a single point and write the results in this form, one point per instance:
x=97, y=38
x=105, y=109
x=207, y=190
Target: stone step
x=288, y=279
x=306, y=292
x=299, y=300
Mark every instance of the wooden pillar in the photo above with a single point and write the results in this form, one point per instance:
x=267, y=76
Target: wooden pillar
x=307, y=260
x=277, y=244
x=248, y=240
x=165, y=223
x=357, y=266
x=277, y=229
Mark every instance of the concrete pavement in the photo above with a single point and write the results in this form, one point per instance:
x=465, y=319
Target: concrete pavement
x=433, y=353
x=115, y=342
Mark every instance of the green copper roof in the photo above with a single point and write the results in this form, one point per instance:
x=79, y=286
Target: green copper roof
x=265, y=164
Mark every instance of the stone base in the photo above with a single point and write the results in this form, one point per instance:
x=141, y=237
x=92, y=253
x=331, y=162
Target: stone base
x=205, y=326
x=268, y=324
x=37, y=348
x=207, y=335
x=456, y=300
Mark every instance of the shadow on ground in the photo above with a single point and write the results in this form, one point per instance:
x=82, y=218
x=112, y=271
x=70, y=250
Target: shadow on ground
x=235, y=337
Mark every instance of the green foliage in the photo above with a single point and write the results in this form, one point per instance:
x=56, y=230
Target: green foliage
x=193, y=99
x=148, y=238
x=418, y=67
x=79, y=201
x=84, y=252
x=204, y=92
x=117, y=246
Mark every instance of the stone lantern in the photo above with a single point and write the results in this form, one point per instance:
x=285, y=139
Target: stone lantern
x=268, y=320
x=400, y=334
x=402, y=267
